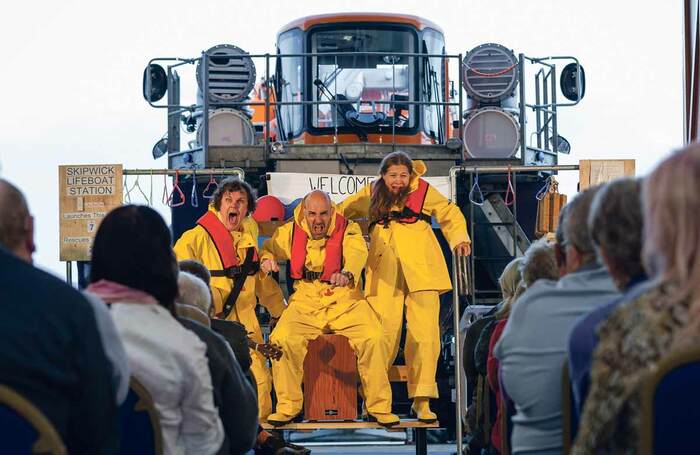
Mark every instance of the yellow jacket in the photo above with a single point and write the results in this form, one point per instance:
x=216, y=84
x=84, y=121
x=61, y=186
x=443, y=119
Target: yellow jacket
x=422, y=261
x=315, y=296
x=197, y=244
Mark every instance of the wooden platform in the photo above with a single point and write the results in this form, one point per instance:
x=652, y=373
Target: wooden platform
x=353, y=424
x=419, y=429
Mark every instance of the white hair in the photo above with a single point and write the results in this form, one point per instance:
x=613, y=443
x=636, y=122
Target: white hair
x=193, y=291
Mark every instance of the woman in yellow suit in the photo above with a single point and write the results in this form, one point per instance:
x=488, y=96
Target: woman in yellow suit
x=406, y=267
x=228, y=222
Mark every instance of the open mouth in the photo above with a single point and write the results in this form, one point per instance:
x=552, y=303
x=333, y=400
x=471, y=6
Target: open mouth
x=232, y=218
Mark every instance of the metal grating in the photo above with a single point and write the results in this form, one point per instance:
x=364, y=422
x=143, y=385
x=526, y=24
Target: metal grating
x=490, y=72
x=231, y=73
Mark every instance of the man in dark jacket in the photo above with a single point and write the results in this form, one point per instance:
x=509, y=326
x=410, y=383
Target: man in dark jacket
x=50, y=348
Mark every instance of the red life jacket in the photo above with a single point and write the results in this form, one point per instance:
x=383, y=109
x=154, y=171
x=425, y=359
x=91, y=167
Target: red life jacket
x=224, y=245
x=413, y=208
x=333, y=261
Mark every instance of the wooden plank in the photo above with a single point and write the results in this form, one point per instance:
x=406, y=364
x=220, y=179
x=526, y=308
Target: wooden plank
x=330, y=379
x=350, y=425
x=584, y=174
x=596, y=172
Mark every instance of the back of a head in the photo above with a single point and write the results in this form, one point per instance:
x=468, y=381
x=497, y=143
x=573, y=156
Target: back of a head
x=671, y=206
x=510, y=278
x=539, y=262
x=133, y=247
x=575, y=223
x=615, y=222
x=196, y=268
x=193, y=291
x=14, y=217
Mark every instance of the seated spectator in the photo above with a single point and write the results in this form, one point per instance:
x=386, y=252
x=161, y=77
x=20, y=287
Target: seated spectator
x=233, y=395
x=475, y=361
x=166, y=358
x=17, y=235
x=539, y=262
x=618, y=245
x=236, y=336
x=51, y=350
x=533, y=345
x=652, y=324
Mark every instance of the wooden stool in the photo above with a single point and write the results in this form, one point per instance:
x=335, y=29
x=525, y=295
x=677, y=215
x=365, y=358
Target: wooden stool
x=330, y=379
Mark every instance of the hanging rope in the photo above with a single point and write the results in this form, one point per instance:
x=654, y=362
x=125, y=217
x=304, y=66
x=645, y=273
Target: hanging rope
x=136, y=185
x=545, y=189
x=476, y=191
x=176, y=187
x=127, y=196
x=510, y=192
x=211, y=182
x=193, y=196
x=165, y=189
x=151, y=191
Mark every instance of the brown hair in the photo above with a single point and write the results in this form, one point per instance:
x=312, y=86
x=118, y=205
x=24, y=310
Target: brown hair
x=382, y=200
x=233, y=184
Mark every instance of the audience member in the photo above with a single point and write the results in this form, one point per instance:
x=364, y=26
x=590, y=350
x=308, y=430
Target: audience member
x=474, y=356
x=233, y=395
x=618, y=245
x=539, y=262
x=511, y=287
x=51, y=350
x=532, y=348
x=166, y=358
x=662, y=319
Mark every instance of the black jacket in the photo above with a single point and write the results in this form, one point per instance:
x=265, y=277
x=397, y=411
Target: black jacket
x=233, y=395
x=52, y=354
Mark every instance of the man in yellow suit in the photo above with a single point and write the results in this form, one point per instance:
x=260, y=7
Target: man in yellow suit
x=406, y=267
x=225, y=241
x=327, y=254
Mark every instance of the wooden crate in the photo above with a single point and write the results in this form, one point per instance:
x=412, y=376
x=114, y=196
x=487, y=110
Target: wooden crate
x=595, y=172
x=330, y=379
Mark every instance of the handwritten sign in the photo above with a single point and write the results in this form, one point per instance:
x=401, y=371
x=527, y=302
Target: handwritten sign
x=288, y=186
x=86, y=194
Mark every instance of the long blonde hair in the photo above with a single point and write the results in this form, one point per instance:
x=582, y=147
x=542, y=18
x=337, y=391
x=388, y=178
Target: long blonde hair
x=510, y=282
x=382, y=200
x=671, y=202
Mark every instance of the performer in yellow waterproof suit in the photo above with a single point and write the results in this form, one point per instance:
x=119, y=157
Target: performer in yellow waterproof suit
x=327, y=255
x=406, y=267
x=197, y=244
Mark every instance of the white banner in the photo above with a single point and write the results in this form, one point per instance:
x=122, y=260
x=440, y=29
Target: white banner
x=288, y=186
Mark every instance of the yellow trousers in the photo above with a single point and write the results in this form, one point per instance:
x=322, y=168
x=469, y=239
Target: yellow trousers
x=388, y=294
x=358, y=324
x=258, y=366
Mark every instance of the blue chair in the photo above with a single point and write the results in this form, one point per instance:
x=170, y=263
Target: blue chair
x=140, y=425
x=25, y=429
x=670, y=405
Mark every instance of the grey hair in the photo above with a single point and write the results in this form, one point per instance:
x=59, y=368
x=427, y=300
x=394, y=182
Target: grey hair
x=193, y=291
x=615, y=222
x=539, y=262
x=14, y=214
x=575, y=223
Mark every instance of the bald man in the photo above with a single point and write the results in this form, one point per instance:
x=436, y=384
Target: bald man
x=16, y=224
x=55, y=349
x=327, y=254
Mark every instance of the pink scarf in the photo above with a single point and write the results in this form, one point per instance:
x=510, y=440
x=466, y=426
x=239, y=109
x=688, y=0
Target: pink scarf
x=112, y=292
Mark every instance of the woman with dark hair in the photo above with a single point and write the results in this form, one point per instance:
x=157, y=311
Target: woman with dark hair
x=134, y=270
x=406, y=267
